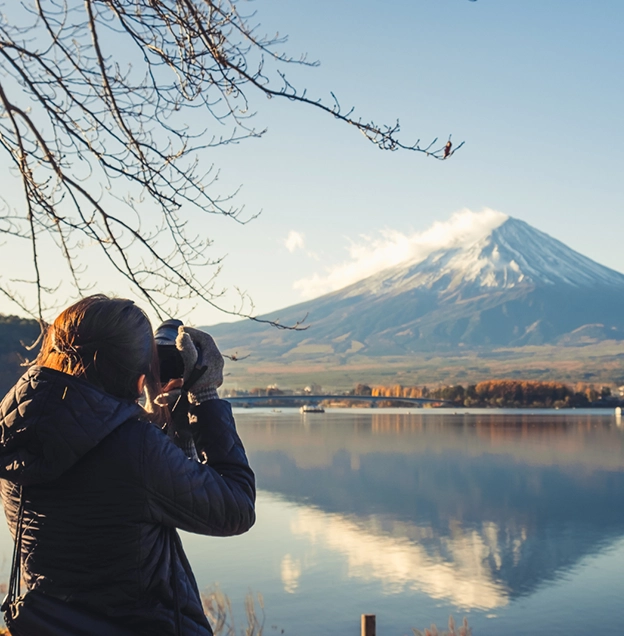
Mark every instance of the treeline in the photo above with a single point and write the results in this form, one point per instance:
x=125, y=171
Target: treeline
x=498, y=393
x=14, y=334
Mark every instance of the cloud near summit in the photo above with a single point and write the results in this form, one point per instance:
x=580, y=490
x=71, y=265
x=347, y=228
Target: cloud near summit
x=371, y=254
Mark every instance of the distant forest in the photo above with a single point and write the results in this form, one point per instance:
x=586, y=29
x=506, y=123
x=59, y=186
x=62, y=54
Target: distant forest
x=501, y=393
x=14, y=334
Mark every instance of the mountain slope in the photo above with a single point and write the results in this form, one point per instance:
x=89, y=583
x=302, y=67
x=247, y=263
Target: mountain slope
x=513, y=287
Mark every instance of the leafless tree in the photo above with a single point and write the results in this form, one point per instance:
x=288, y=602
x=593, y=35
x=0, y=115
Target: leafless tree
x=95, y=97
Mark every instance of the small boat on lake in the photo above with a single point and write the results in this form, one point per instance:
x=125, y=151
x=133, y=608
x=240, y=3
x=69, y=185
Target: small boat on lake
x=311, y=408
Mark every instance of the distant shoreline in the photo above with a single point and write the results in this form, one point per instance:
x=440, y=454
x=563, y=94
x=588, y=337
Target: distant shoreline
x=499, y=393
x=436, y=409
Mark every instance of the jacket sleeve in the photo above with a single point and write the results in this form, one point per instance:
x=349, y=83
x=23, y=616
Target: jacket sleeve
x=214, y=497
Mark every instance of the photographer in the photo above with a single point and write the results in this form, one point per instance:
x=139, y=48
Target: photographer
x=93, y=489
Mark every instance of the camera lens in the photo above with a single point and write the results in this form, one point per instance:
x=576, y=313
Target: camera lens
x=170, y=360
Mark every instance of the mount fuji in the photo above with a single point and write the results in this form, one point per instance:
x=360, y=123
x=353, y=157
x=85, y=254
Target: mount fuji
x=516, y=286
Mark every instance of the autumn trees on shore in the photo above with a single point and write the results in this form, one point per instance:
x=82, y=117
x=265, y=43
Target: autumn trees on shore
x=498, y=393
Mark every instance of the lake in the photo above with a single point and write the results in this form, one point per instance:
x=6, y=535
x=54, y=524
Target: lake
x=513, y=519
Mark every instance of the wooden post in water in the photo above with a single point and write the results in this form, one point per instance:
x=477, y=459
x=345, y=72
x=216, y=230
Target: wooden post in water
x=369, y=627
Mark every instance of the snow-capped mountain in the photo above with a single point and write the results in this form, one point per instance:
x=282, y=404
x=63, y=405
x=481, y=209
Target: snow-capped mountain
x=512, y=255
x=512, y=287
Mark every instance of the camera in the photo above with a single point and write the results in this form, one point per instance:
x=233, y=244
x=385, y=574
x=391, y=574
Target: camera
x=171, y=363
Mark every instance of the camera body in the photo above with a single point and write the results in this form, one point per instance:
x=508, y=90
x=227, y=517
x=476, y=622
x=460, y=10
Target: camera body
x=171, y=363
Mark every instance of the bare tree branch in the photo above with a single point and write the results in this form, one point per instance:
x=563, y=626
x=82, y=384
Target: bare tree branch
x=95, y=97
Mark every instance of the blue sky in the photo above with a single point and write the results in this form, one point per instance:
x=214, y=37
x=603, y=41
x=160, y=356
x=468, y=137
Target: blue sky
x=533, y=88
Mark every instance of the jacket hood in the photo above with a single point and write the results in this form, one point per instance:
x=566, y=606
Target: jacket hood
x=49, y=420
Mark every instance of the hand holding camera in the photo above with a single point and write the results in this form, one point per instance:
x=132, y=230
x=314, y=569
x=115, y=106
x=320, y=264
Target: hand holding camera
x=192, y=355
x=199, y=351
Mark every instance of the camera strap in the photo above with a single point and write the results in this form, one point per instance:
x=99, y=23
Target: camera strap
x=15, y=576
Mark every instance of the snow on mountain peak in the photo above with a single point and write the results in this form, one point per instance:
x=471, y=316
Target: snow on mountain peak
x=541, y=259
x=511, y=254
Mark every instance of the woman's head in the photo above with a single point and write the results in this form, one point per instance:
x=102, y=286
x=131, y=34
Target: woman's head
x=107, y=341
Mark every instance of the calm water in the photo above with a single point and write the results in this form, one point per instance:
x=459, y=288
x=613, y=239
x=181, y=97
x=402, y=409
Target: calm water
x=514, y=520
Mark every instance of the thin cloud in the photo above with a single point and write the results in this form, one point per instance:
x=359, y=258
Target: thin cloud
x=372, y=254
x=294, y=241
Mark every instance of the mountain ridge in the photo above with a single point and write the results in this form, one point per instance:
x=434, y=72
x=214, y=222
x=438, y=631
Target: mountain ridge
x=513, y=287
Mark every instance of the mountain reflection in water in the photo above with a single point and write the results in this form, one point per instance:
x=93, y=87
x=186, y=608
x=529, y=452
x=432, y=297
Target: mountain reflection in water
x=460, y=575
x=477, y=510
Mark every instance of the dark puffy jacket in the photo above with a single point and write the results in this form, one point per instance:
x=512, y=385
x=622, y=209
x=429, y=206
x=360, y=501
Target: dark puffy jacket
x=103, y=490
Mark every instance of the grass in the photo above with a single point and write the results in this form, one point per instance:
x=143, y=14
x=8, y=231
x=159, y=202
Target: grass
x=453, y=630
x=218, y=609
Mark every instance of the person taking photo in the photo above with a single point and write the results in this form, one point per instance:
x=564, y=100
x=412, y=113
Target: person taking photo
x=94, y=490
